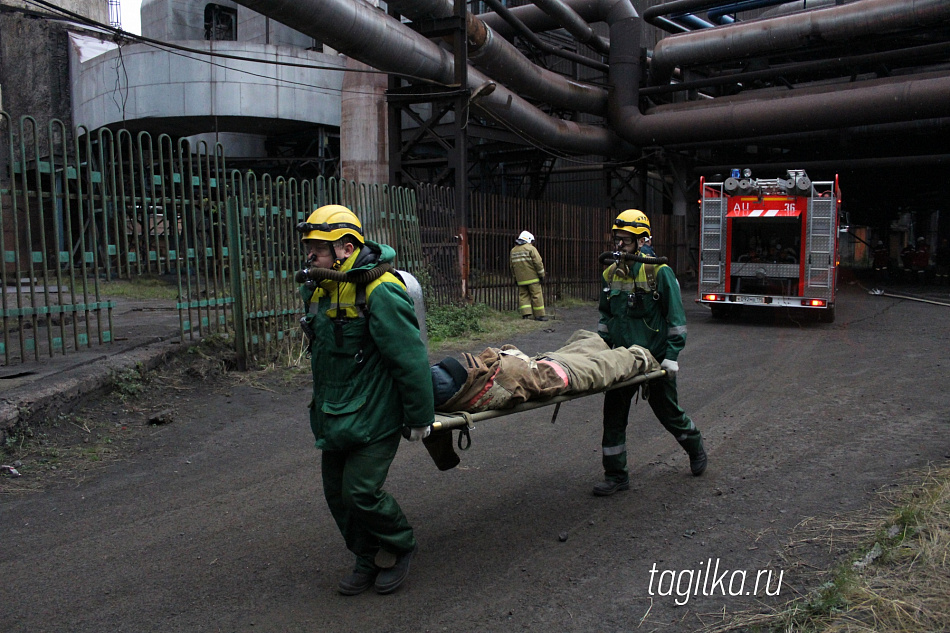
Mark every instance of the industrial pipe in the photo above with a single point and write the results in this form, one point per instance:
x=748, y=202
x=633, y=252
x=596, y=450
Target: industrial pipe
x=573, y=23
x=867, y=103
x=370, y=36
x=533, y=18
x=536, y=41
x=914, y=54
x=500, y=60
x=790, y=32
x=716, y=14
x=374, y=38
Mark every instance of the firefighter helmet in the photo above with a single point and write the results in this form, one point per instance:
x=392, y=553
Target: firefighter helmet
x=525, y=238
x=331, y=222
x=633, y=221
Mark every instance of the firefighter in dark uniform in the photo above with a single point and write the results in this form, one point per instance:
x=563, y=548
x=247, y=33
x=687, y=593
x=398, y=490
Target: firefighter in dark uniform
x=370, y=380
x=641, y=305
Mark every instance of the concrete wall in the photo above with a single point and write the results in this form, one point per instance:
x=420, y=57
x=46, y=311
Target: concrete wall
x=364, y=142
x=98, y=10
x=34, y=77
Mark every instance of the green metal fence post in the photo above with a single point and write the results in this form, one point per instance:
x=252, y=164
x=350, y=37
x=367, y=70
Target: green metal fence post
x=235, y=263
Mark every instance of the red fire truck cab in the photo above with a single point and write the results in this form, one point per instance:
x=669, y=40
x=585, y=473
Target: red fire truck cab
x=769, y=243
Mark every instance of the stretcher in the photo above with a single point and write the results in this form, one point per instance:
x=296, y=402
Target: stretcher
x=465, y=421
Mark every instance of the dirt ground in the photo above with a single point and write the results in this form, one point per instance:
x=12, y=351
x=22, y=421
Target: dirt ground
x=215, y=520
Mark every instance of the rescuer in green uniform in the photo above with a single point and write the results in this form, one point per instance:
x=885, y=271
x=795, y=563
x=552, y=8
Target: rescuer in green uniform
x=370, y=380
x=641, y=305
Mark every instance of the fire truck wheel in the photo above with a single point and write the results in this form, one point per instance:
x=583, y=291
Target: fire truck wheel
x=827, y=316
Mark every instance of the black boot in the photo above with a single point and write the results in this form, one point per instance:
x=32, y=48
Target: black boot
x=439, y=445
x=389, y=580
x=697, y=454
x=607, y=487
x=697, y=461
x=356, y=582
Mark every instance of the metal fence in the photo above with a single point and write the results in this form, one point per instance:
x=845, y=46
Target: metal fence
x=267, y=251
x=108, y=206
x=568, y=237
x=441, y=276
x=473, y=260
x=53, y=243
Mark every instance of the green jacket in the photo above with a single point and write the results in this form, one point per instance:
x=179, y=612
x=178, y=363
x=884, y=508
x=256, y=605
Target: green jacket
x=526, y=265
x=657, y=323
x=378, y=380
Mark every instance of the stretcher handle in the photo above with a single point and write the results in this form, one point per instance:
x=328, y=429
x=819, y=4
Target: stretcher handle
x=461, y=419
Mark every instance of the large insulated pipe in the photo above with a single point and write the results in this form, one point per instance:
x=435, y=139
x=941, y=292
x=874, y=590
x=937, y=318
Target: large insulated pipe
x=531, y=16
x=917, y=127
x=792, y=32
x=500, y=60
x=658, y=14
x=369, y=35
x=573, y=23
x=905, y=56
x=865, y=103
x=528, y=79
x=795, y=6
x=655, y=15
x=716, y=14
x=537, y=42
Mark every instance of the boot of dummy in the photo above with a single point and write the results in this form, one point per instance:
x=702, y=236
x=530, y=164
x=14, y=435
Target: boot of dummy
x=439, y=445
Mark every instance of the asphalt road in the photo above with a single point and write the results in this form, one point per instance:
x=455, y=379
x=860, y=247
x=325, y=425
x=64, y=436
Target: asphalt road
x=216, y=522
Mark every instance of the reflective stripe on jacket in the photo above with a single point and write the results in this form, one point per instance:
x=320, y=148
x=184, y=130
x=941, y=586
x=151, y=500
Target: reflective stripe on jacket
x=377, y=379
x=526, y=266
x=657, y=323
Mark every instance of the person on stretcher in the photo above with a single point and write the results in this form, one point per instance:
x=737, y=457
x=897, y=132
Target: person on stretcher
x=502, y=378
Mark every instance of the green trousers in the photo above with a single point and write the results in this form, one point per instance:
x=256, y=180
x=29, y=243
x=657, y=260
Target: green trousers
x=368, y=517
x=663, y=401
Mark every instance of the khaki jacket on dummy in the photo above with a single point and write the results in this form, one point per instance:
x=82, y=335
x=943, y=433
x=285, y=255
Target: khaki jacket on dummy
x=503, y=378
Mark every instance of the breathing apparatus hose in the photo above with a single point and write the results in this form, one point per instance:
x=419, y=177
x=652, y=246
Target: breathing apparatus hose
x=616, y=256
x=361, y=276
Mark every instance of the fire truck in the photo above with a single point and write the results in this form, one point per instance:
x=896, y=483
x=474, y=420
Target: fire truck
x=769, y=243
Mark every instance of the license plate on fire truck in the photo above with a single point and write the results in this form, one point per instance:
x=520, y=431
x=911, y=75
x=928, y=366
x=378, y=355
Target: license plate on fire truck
x=747, y=299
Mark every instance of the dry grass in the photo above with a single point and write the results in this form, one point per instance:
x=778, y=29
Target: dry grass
x=898, y=578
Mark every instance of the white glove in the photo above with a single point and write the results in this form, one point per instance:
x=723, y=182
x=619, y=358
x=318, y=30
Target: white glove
x=417, y=433
x=671, y=367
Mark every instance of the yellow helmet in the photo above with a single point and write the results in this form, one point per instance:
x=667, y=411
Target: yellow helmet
x=633, y=221
x=331, y=222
